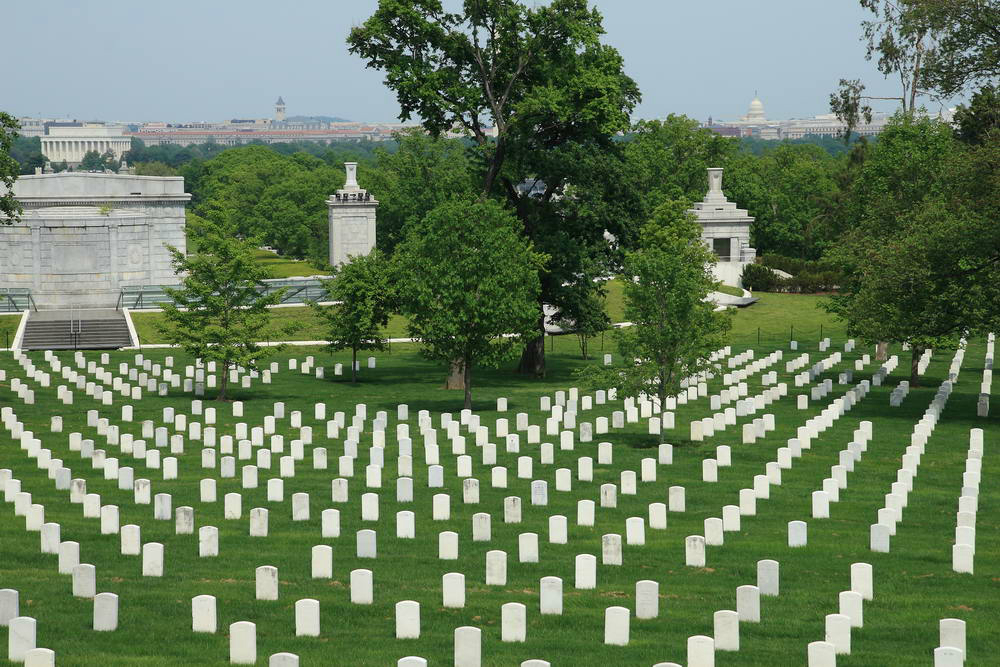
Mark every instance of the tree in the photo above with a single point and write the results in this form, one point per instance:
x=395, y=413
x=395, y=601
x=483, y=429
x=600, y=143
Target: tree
x=361, y=291
x=468, y=281
x=220, y=311
x=10, y=210
x=968, y=44
x=980, y=120
x=154, y=168
x=674, y=328
x=905, y=260
x=551, y=90
x=92, y=161
x=423, y=172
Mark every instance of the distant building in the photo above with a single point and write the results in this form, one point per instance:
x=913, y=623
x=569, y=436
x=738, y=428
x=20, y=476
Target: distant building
x=756, y=124
x=239, y=131
x=69, y=142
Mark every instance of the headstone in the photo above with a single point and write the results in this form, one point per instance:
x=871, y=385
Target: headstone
x=203, y=614
x=468, y=647
x=647, y=599
x=616, y=626
x=105, y=612
x=726, y=625
x=513, y=622
x=361, y=587
x=243, y=643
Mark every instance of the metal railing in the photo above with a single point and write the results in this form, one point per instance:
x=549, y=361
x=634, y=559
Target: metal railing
x=16, y=299
x=138, y=297
x=75, y=326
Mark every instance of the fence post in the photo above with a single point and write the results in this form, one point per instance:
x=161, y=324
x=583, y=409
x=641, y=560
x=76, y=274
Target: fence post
x=758, y=335
x=791, y=332
x=821, y=331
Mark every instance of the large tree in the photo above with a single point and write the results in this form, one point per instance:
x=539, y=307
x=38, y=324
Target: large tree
x=968, y=44
x=920, y=261
x=219, y=313
x=674, y=328
x=552, y=92
x=10, y=210
x=468, y=282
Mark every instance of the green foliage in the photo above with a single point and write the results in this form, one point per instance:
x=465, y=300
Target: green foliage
x=583, y=312
x=94, y=161
x=674, y=329
x=666, y=160
x=787, y=190
x=468, y=281
x=980, y=120
x=968, y=44
x=10, y=209
x=219, y=312
x=760, y=278
x=361, y=289
x=154, y=168
x=554, y=94
x=409, y=182
x=261, y=193
x=905, y=263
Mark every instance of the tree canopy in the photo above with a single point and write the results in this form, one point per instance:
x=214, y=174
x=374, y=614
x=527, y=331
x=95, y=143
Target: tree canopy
x=10, y=210
x=468, y=282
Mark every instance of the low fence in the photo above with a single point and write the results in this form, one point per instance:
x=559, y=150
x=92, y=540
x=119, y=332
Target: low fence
x=141, y=297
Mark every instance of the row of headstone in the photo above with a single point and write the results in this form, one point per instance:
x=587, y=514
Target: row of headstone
x=964, y=548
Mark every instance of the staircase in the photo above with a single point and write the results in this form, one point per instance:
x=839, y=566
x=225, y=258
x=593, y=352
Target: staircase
x=75, y=330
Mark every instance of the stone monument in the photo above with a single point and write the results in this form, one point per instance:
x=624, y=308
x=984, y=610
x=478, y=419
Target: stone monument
x=352, y=219
x=726, y=231
x=84, y=236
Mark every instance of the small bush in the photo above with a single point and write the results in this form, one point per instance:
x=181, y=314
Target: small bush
x=759, y=278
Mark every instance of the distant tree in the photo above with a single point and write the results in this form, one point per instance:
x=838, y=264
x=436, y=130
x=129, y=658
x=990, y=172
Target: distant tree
x=410, y=181
x=92, y=161
x=153, y=169
x=361, y=292
x=59, y=166
x=219, y=312
x=675, y=329
x=980, y=120
x=468, y=282
x=10, y=210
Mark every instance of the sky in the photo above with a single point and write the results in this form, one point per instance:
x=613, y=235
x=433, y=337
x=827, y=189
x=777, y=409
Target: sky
x=187, y=60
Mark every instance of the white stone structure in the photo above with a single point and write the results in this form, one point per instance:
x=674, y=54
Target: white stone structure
x=352, y=219
x=72, y=143
x=726, y=231
x=85, y=236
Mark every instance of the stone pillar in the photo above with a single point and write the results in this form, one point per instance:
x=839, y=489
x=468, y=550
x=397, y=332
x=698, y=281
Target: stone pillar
x=352, y=219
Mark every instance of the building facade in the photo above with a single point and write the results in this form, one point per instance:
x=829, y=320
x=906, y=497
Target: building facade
x=84, y=236
x=70, y=143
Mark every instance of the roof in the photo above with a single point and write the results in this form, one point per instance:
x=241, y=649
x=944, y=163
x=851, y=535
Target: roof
x=280, y=101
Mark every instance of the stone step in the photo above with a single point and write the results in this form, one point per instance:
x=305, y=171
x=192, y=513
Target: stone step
x=51, y=331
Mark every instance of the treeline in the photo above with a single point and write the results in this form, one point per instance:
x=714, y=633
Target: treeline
x=278, y=192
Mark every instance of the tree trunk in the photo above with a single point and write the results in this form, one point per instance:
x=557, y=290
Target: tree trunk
x=881, y=351
x=456, y=376
x=223, y=383
x=916, y=352
x=533, y=356
x=468, y=384
x=354, y=365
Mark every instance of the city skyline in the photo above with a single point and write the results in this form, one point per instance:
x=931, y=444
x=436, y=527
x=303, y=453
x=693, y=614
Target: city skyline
x=684, y=60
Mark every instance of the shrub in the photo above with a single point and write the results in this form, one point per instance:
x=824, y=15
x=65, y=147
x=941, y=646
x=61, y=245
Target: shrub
x=759, y=278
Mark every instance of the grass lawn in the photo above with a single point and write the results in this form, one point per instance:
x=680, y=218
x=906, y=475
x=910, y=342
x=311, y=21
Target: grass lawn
x=286, y=267
x=914, y=584
x=8, y=327
x=775, y=315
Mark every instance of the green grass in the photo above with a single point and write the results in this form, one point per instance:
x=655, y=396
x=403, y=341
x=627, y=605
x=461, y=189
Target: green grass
x=776, y=316
x=8, y=327
x=914, y=584
x=728, y=289
x=286, y=267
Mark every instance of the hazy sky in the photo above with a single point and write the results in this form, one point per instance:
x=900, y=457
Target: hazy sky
x=187, y=60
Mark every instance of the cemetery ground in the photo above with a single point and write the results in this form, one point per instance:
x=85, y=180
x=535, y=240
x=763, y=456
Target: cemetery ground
x=772, y=321
x=914, y=584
